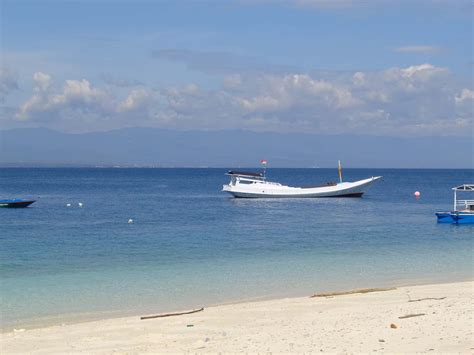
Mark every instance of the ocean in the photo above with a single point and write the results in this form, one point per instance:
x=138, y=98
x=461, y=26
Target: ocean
x=193, y=246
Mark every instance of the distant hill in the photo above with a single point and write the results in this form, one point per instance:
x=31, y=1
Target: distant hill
x=168, y=148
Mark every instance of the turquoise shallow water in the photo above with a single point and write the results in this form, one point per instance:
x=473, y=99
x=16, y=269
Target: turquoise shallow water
x=192, y=245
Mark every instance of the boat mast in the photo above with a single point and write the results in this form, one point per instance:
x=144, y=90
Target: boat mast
x=340, y=170
x=264, y=164
x=455, y=199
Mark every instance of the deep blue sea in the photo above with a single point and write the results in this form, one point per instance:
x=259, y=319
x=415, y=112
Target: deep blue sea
x=191, y=245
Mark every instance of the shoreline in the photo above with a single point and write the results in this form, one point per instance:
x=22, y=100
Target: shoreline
x=358, y=322
x=67, y=319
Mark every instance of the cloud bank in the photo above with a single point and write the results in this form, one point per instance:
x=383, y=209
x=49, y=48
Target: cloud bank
x=415, y=100
x=418, y=49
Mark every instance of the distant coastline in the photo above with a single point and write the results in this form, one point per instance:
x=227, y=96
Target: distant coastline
x=154, y=147
x=92, y=166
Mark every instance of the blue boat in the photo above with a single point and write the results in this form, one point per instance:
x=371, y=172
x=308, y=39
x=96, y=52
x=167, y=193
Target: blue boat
x=16, y=203
x=463, y=212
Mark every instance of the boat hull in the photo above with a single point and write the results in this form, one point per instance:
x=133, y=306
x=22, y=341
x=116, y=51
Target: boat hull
x=457, y=217
x=15, y=203
x=252, y=195
x=444, y=217
x=271, y=190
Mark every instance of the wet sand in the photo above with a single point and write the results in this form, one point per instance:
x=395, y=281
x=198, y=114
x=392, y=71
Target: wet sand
x=429, y=318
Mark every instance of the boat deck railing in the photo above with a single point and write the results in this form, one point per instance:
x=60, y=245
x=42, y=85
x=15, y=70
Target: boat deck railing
x=465, y=204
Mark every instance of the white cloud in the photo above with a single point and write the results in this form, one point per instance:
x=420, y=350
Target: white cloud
x=418, y=49
x=137, y=99
x=358, y=78
x=297, y=91
x=417, y=100
x=465, y=95
x=426, y=70
x=76, y=94
x=43, y=81
x=8, y=82
x=465, y=108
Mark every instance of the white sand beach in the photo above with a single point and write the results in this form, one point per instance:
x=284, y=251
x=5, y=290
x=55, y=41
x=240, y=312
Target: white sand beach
x=427, y=319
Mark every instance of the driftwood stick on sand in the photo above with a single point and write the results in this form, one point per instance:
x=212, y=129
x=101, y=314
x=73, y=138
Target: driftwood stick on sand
x=428, y=298
x=364, y=290
x=412, y=315
x=172, y=314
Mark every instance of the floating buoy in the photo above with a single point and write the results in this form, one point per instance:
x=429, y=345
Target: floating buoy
x=80, y=204
x=130, y=221
x=417, y=194
x=68, y=205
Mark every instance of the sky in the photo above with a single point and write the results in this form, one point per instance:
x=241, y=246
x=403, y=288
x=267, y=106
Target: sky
x=383, y=68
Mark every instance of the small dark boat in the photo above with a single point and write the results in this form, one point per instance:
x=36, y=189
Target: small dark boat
x=16, y=203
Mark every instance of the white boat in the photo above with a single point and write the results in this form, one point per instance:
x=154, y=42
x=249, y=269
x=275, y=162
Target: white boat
x=255, y=185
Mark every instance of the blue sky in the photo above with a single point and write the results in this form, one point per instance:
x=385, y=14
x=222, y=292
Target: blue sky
x=377, y=67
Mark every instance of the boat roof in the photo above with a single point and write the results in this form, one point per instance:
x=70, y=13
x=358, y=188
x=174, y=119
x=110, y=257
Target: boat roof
x=464, y=187
x=244, y=173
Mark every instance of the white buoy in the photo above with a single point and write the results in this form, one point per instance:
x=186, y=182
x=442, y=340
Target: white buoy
x=80, y=204
x=417, y=194
x=130, y=221
x=68, y=205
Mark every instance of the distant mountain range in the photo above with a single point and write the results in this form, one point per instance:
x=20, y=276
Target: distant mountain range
x=169, y=148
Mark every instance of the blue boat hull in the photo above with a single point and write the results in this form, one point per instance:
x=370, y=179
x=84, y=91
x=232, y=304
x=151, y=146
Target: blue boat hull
x=455, y=217
x=463, y=217
x=444, y=217
x=16, y=203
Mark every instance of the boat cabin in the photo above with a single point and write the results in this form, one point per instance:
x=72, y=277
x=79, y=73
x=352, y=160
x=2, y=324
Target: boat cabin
x=463, y=205
x=242, y=177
